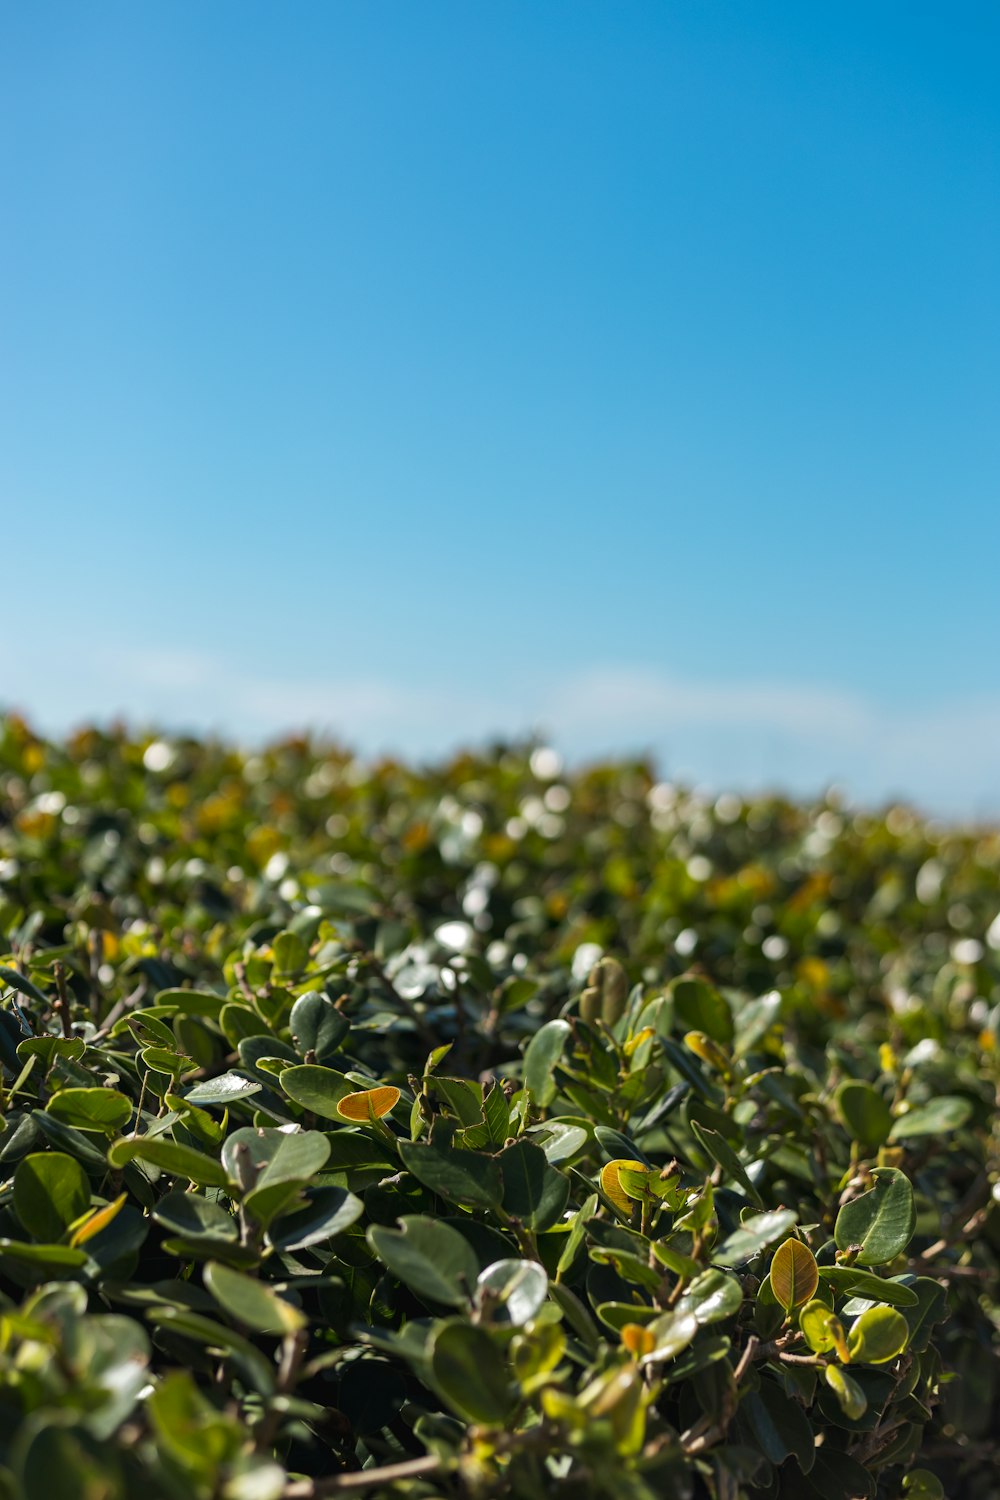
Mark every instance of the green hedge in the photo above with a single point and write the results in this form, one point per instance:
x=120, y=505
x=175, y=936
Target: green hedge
x=487, y=1130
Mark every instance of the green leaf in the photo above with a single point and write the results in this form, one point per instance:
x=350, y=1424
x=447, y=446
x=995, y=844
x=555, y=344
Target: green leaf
x=251, y=1302
x=879, y=1225
x=540, y=1058
x=720, y=1151
x=191, y=1002
x=931, y=1308
x=780, y=1425
x=228, y=1088
x=577, y=1234
x=878, y=1336
x=51, y=1191
x=69, y=1048
x=468, y=1369
x=280, y=1156
x=93, y=1109
x=755, y=1020
x=822, y=1329
x=317, y=1089
x=711, y=1297
x=432, y=1259
x=330, y=1212
x=866, y=1115
x=533, y=1191
x=463, y=1177
x=852, y=1399
x=699, y=1007
x=560, y=1141
x=52, y=1257
x=317, y=1026
x=838, y=1476
x=940, y=1117
x=197, y=1436
x=851, y=1281
x=191, y=1216
x=11, y=979
x=516, y=1289
x=754, y=1235
x=673, y=1331
x=170, y=1157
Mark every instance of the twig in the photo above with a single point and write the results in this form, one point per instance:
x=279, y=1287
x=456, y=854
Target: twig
x=293, y=1351
x=363, y=1479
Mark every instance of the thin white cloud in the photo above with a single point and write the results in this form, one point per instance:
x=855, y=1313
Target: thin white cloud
x=800, y=735
x=651, y=702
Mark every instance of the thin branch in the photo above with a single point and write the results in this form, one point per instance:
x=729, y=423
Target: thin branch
x=363, y=1479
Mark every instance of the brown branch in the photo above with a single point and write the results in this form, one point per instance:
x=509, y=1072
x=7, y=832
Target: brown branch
x=363, y=1479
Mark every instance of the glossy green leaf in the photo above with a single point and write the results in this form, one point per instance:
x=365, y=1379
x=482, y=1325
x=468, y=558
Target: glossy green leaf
x=95, y=1109
x=251, y=1302
x=317, y=1026
x=672, y=1332
x=543, y=1052
x=329, y=1212
x=878, y=1225
x=51, y=1191
x=756, y=1233
x=317, y=1089
x=851, y=1281
x=711, y=1297
x=191, y=1216
x=533, y=1191
x=170, y=1157
x=877, y=1336
x=512, y=1291
x=463, y=1177
x=720, y=1151
x=468, y=1369
x=939, y=1117
x=852, y=1399
x=431, y=1258
x=227, y=1089
x=699, y=1007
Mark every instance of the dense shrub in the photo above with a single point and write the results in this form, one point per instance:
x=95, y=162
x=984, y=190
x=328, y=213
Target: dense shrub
x=487, y=1131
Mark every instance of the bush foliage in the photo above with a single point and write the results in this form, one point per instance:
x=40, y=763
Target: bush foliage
x=487, y=1130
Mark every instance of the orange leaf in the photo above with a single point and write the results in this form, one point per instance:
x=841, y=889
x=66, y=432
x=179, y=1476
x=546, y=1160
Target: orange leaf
x=637, y=1339
x=369, y=1103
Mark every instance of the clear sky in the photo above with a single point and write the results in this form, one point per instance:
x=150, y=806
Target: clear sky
x=416, y=371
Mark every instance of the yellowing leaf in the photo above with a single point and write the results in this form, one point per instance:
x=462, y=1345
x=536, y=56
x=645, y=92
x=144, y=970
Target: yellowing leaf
x=794, y=1275
x=369, y=1103
x=637, y=1339
x=98, y=1220
x=611, y=1182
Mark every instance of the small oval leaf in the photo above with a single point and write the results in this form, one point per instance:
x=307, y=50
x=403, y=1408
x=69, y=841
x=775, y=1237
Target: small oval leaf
x=794, y=1275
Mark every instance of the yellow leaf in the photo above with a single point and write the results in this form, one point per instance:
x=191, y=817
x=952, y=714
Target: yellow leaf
x=98, y=1220
x=794, y=1276
x=369, y=1103
x=611, y=1183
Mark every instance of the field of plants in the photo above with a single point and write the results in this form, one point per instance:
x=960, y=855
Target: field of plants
x=488, y=1130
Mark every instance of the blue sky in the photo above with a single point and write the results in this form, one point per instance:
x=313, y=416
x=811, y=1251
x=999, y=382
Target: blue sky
x=625, y=371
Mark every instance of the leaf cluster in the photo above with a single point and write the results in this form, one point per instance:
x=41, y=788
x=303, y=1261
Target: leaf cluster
x=486, y=1131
